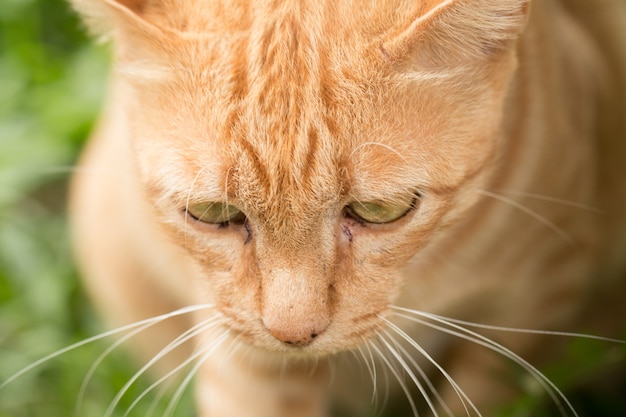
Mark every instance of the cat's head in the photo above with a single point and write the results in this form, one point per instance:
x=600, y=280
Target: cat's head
x=303, y=152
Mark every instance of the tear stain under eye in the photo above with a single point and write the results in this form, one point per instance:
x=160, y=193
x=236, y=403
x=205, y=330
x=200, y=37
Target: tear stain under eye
x=249, y=231
x=346, y=231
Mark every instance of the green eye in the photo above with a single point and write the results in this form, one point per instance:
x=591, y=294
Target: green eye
x=380, y=213
x=216, y=213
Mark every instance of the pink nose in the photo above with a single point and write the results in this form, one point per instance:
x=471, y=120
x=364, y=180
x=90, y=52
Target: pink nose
x=298, y=336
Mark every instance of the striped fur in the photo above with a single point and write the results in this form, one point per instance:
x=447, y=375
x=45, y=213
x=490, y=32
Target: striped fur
x=504, y=118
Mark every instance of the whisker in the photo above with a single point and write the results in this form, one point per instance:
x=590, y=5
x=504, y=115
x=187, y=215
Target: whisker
x=37, y=172
x=169, y=411
x=249, y=358
x=183, y=338
x=152, y=320
x=430, y=76
x=551, y=389
x=382, y=145
x=99, y=360
x=232, y=349
x=530, y=213
x=332, y=368
x=163, y=389
x=227, y=184
x=550, y=199
x=360, y=357
x=314, y=367
x=371, y=369
x=369, y=346
x=394, y=351
x=465, y=400
x=201, y=327
x=162, y=380
x=400, y=380
x=516, y=329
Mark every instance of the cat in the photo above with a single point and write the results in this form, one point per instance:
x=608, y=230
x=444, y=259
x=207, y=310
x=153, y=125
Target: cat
x=306, y=178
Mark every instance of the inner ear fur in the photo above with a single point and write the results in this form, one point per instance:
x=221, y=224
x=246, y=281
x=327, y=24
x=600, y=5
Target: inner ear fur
x=453, y=31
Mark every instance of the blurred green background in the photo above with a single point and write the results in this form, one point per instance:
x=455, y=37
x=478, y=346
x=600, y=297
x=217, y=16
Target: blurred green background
x=52, y=80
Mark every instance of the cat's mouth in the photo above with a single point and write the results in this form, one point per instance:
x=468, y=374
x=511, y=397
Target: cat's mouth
x=260, y=337
x=336, y=335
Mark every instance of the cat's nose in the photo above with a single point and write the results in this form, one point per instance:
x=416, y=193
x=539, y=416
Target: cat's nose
x=297, y=336
x=295, y=305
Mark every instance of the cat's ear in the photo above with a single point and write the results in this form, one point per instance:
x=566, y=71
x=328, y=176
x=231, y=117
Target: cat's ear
x=106, y=17
x=452, y=31
x=141, y=44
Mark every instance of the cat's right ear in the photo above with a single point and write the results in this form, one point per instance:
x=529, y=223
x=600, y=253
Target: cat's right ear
x=447, y=32
x=124, y=21
x=103, y=17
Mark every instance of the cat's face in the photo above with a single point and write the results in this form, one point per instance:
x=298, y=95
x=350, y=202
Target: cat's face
x=303, y=170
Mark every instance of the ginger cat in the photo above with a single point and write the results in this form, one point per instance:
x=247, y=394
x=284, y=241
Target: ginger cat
x=317, y=177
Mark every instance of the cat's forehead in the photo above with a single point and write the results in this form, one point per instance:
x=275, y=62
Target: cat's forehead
x=284, y=122
x=294, y=73
x=292, y=122
x=279, y=103
x=294, y=113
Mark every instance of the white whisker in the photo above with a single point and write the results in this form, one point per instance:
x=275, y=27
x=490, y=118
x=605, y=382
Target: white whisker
x=531, y=213
x=252, y=361
x=430, y=76
x=550, y=199
x=169, y=411
x=162, y=380
x=230, y=352
x=152, y=320
x=400, y=380
x=98, y=361
x=453, y=329
x=405, y=366
x=35, y=172
x=465, y=400
x=371, y=345
x=517, y=329
x=382, y=145
x=183, y=338
x=332, y=368
x=371, y=369
x=163, y=389
x=316, y=364
x=192, y=332
x=226, y=183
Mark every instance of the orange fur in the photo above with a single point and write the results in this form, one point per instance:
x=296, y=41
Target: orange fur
x=291, y=111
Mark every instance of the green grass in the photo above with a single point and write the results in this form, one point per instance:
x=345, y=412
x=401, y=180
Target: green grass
x=52, y=82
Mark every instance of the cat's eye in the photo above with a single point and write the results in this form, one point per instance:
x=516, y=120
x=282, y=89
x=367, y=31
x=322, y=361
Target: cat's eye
x=381, y=212
x=216, y=213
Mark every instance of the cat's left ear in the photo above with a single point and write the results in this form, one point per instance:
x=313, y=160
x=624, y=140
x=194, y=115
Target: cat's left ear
x=452, y=31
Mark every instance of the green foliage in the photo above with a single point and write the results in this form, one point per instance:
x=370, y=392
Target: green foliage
x=52, y=83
